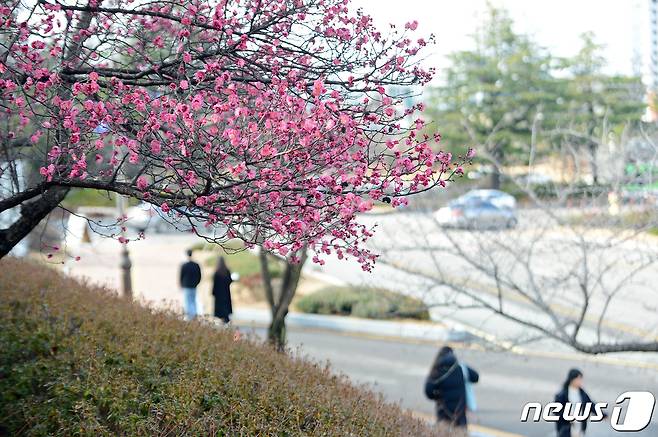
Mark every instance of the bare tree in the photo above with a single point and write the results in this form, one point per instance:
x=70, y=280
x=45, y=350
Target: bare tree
x=580, y=267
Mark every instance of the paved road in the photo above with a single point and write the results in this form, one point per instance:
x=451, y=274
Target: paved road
x=403, y=238
x=507, y=380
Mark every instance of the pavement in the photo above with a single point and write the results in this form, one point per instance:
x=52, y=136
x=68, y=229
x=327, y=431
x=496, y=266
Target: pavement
x=397, y=368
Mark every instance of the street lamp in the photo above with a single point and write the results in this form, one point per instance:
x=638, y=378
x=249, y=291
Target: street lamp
x=124, y=264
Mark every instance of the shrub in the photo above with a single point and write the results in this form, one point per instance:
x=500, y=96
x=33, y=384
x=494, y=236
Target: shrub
x=363, y=302
x=372, y=309
x=638, y=220
x=80, y=361
x=239, y=259
x=78, y=197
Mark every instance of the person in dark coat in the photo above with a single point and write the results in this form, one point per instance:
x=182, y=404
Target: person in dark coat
x=572, y=392
x=221, y=289
x=190, y=277
x=446, y=386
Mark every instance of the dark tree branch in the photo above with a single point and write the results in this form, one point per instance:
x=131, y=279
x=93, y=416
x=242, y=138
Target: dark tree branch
x=31, y=215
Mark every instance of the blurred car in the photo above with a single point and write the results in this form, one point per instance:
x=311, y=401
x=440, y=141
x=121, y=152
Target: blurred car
x=146, y=216
x=496, y=197
x=149, y=218
x=479, y=209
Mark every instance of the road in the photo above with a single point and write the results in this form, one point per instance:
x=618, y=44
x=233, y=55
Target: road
x=412, y=240
x=507, y=381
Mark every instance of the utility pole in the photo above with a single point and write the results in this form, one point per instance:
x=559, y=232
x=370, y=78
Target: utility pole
x=653, y=60
x=124, y=264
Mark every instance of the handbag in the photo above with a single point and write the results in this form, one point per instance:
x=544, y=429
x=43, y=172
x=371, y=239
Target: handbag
x=471, y=405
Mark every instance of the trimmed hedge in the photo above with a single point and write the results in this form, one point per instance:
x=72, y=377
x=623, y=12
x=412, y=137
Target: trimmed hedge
x=79, y=361
x=367, y=303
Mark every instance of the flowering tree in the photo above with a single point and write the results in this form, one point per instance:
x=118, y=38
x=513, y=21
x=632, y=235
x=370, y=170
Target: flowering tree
x=269, y=120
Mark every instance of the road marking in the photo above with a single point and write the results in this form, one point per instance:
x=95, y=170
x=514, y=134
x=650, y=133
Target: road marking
x=474, y=430
x=492, y=431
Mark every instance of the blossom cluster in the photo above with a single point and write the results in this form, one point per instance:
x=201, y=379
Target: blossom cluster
x=276, y=121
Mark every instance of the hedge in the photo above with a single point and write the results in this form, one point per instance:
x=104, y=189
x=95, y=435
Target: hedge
x=77, y=360
x=367, y=303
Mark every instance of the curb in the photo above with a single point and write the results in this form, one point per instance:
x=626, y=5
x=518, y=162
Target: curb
x=474, y=430
x=428, y=332
x=385, y=328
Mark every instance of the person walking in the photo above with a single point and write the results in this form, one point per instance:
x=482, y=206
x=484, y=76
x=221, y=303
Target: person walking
x=190, y=277
x=446, y=385
x=572, y=392
x=221, y=289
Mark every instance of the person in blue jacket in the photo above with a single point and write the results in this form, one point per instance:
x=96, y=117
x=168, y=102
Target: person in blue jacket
x=446, y=385
x=190, y=277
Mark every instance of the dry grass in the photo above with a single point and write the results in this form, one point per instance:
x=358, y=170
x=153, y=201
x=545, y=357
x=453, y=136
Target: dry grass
x=80, y=361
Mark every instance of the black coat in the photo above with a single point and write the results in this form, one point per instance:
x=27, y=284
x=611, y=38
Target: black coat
x=564, y=427
x=445, y=385
x=221, y=289
x=190, y=275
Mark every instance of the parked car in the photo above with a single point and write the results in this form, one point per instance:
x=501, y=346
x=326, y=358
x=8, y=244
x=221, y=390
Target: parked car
x=479, y=209
x=149, y=218
x=145, y=217
x=496, y=197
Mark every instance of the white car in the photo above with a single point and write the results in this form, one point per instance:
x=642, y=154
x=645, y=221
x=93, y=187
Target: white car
x=146, y=216
x=496, y=197
x=479, y=209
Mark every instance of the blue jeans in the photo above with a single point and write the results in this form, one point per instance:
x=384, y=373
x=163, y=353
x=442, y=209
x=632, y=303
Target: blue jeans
x=189, y=302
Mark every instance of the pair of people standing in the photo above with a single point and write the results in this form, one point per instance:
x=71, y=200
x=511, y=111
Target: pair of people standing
x=190, y=278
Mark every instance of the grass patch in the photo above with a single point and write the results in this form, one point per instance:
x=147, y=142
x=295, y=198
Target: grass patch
x=637, y=220
x=78, y=197
x=80, y=361
x=238, y=259
x=363, y=302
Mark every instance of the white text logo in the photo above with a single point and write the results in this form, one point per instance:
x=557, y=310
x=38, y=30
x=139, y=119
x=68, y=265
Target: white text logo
x=632, y=411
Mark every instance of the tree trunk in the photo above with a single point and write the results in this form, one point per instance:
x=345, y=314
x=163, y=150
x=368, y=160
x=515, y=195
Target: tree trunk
x=31, y=215
x=592, y=146
x=496, y=175
x=276, y=333
x=280, y=303
x=495, y=179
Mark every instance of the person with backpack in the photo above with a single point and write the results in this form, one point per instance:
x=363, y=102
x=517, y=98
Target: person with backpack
x=190, y=277
x=447, y=386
